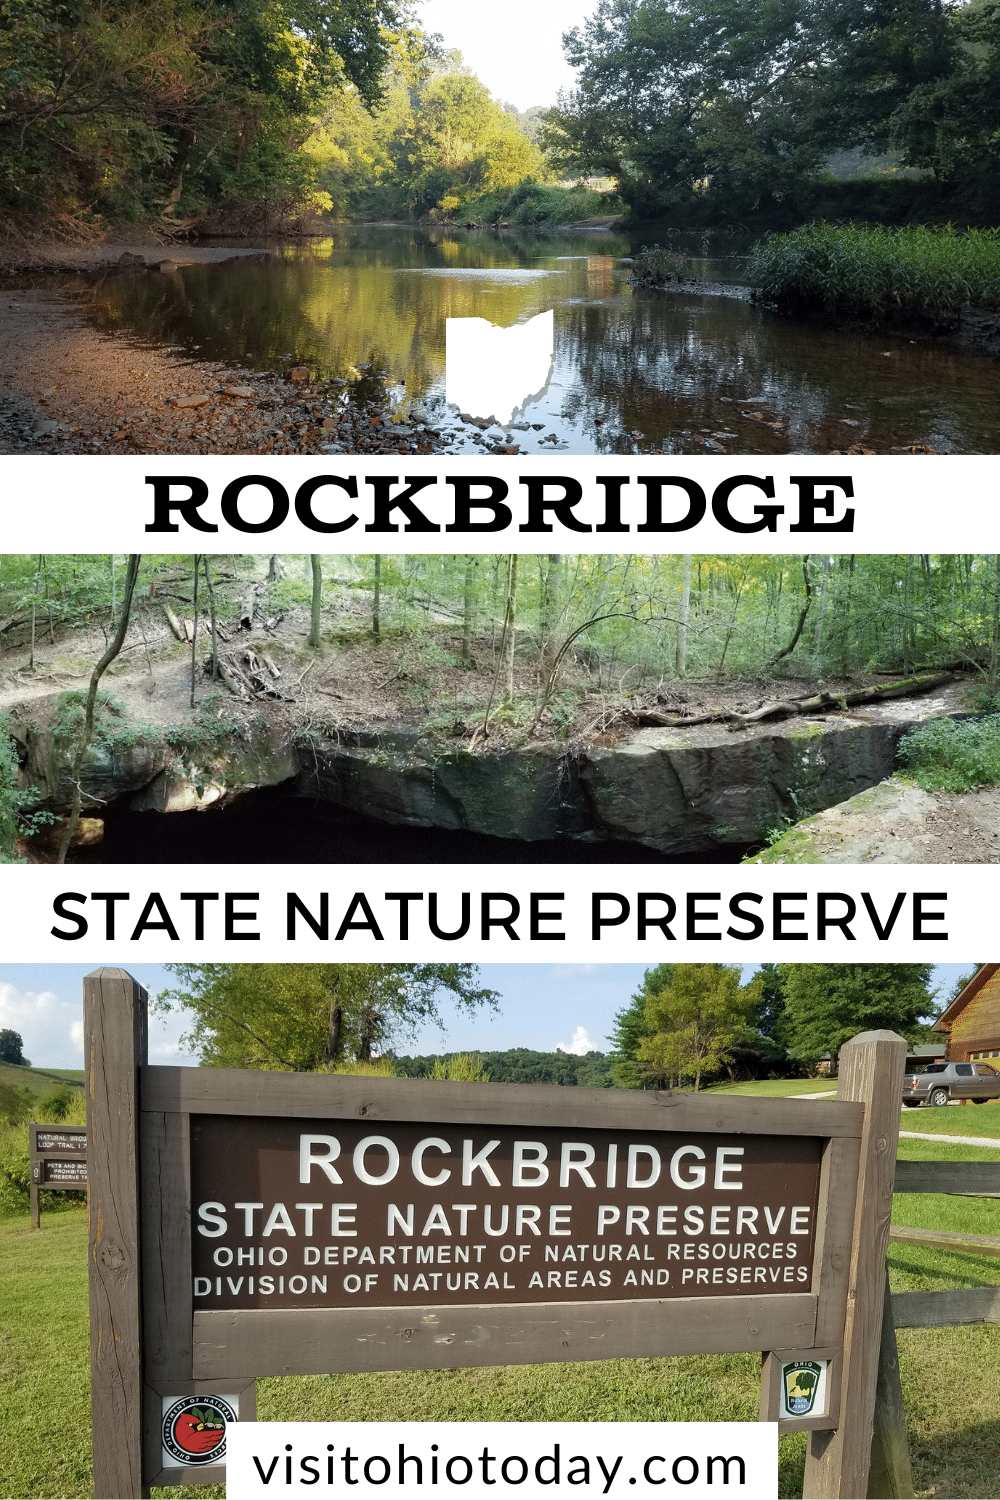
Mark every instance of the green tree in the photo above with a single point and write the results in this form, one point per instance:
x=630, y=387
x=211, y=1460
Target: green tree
x=950, y=123
x=678, y=97
x=694, y=1021
x=304, y=1017
x=876, y=53
x=438, y=139
x=630, y=1029
x=128, y=108
x=827, y=1004
x=696, y=102
x=11, y=1047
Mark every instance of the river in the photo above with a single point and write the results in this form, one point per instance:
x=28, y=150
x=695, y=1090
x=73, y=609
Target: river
x=696, y=369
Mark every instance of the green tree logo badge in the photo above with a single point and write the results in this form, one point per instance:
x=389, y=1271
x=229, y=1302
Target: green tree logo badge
x=801, y=1384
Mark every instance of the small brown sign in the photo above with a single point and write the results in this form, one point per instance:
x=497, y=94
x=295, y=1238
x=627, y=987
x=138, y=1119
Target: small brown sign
x=68, y=1139
x=335, y=1214
x=63, y=1173
x=58, y=1160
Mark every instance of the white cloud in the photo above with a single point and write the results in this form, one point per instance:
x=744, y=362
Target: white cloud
x=580, y=1044
x=49, y=1028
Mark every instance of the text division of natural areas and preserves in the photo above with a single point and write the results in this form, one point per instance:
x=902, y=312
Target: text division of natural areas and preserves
x=288, y=1214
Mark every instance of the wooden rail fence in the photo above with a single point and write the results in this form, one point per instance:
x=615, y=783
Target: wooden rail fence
x=890, y=1476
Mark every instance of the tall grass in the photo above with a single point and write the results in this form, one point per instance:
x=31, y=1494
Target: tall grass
x=919, y=271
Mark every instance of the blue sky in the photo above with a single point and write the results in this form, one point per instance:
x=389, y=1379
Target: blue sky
x=542, y=1006
x=517, y=51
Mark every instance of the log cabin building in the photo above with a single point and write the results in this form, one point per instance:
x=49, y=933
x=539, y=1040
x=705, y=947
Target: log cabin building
x=972, y=1021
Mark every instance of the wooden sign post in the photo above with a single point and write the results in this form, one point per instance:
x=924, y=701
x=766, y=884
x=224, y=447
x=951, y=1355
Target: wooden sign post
x=871, y=1072
x=246, y=1224
x=114, y=1042
x=57, y=1159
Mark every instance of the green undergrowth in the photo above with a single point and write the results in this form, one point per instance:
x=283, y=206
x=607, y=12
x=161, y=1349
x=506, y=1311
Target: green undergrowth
x=953, y=755
x=538, y=204
x=880, y=274
x=115, y=729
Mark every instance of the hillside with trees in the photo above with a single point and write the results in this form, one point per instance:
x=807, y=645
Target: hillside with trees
x=437, y=142
x=225, y=116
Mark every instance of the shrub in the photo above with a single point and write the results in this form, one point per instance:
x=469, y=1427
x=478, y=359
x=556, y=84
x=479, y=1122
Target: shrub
x=655, y=266
x=377, y=1067
x=16, y=1104
x=876, y=273
x=950, y=755
x=15, y=1171
x=461, y=1067
x=56, y=1104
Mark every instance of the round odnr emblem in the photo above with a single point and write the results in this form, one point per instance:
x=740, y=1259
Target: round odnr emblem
x=194, y=1429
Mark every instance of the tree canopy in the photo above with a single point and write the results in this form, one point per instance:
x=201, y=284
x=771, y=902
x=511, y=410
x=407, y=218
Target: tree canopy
x=739, y=105
x=305, y=1017
x=827, y=1004
x=120, y=108
x=437, y=140
x=11, y=1047
x=694, y=1017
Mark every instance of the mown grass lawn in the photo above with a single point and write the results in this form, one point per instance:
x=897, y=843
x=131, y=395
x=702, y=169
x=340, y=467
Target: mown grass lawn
x=956, y=1119
x=776, y=1088
x=951, y=1376
x=40, y=1080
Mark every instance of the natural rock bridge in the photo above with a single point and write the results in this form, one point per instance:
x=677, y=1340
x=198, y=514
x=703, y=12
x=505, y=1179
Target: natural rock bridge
x=679, y=792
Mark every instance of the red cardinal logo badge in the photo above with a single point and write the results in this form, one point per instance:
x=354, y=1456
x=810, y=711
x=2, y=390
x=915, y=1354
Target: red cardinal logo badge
x=194, y=1429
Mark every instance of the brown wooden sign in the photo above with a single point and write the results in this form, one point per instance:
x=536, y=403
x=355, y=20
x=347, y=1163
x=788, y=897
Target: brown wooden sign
x=252, y=1224
x=57, y=1159
x=294, y=1214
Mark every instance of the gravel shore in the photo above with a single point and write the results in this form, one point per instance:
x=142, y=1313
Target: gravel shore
x=65, y=388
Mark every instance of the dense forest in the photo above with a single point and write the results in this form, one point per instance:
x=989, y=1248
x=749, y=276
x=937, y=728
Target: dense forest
x=225, y=114
x=623, y=621
x=628, y=619
x=484, y=653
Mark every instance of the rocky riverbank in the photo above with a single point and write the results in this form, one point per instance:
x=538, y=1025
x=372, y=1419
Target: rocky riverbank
x=67, y=388
x=64, y=388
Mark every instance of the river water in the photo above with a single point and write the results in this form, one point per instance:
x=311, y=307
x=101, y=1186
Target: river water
x=697, y=369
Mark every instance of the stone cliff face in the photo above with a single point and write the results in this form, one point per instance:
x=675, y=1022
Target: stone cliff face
x=655, y=789
x=662, y=788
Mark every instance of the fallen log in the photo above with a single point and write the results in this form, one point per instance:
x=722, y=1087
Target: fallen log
x=173, y=622
x=788, y=707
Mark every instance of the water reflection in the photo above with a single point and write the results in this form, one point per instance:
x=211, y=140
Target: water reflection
x=635, y=371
